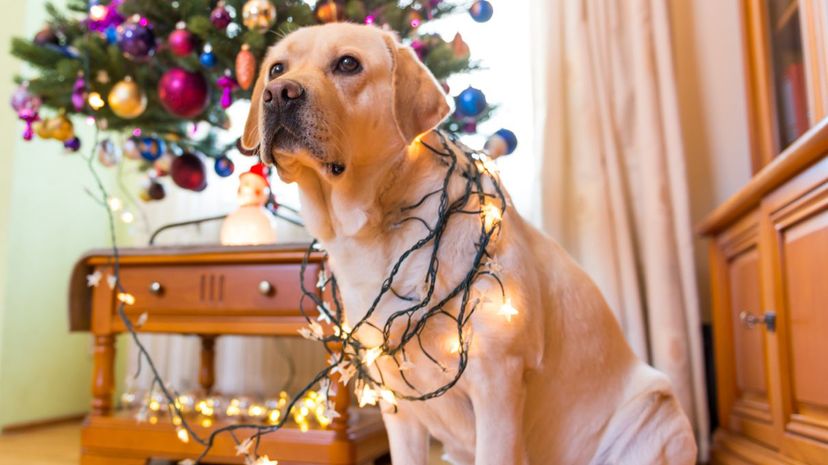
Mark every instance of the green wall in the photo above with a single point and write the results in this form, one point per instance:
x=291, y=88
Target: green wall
x=46, y=222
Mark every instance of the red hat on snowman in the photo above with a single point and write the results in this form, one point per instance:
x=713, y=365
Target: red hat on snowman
x=261, y=170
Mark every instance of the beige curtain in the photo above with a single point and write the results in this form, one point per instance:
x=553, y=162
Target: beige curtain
x=614, y=191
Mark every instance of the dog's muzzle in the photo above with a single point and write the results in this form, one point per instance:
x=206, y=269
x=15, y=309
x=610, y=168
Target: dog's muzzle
x=283, y=101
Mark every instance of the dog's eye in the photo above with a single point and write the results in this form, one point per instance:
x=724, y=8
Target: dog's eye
x=277, y=69
x=336, y=168
x=348, y=65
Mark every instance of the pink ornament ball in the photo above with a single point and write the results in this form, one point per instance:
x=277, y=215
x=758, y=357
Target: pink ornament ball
x=183, y=93
x=181, y=42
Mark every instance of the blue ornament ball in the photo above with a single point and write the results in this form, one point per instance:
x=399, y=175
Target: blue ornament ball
x=151, y=148
x=471, y=102
x=111, y=34
x=207, y=58
x=224, y=166
x=481, y=11
x=502, y=142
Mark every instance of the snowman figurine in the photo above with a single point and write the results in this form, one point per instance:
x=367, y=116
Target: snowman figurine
x=252, y=223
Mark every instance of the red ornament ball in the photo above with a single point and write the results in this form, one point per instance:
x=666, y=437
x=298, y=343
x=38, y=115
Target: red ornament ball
x=183, y=93
x=188, y=172
x=181, y=42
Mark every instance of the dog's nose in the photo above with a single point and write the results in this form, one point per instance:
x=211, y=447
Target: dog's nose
x=285, y=90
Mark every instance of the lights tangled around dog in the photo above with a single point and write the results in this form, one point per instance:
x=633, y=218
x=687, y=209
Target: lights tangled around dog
x=349, y=358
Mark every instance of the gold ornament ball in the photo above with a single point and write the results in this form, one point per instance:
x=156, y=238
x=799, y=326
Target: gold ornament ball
x=329, y=11
x=59, y=128
x=127, y=100
x=258, y=15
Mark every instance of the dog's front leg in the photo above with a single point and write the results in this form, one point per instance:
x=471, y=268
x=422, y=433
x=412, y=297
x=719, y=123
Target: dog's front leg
x=498, y=397
x=407, y=437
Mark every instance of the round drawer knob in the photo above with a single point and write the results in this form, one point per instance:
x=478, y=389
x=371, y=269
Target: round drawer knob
x=156, y=288
x=265, y=288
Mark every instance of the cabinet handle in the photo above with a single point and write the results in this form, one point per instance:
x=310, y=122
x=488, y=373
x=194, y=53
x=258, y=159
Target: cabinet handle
x=156, y=288
x=265, y=288
x=751, y=321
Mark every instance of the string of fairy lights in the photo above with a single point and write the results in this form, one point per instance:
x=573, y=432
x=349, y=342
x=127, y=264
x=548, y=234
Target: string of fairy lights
x=350, y=359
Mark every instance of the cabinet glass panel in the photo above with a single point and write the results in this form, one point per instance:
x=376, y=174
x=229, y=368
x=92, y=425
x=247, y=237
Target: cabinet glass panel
x=788, y=70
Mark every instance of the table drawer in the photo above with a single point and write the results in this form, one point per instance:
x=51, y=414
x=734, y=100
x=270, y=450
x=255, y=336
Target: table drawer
x=271, y=289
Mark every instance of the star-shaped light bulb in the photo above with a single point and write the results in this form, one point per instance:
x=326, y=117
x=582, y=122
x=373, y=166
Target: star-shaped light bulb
x=507, y=310
x=491, y=215
x=371, y=355
x=368, y=396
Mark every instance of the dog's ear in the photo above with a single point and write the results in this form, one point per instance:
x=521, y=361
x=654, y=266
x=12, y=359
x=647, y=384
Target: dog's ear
x=419, y=101
x=250, y=137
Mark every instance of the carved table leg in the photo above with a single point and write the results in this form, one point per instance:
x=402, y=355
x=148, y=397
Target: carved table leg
x=342, y=400
x=207, y=369
x=103, y=378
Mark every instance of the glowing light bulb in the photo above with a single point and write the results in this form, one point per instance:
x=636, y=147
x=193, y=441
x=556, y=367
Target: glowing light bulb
x=491, y=215
x=256, y=411
x=274, y=416
x=264, y=460
x=97, y=12
x=205, y=408
x=368, y=396
x=127, y=217
x=182, y=434
x=321, y=417
x=126, y=298
x=371, y=355
x=455, y=346
x=115, y=204
x=486, y=164
x=507, y=310
x=388, y=396
x=95, y=101
x=154, y=405
x=233, y=409
x=342, y=332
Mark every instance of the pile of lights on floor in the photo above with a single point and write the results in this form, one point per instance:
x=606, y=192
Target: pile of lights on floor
x=206, y=410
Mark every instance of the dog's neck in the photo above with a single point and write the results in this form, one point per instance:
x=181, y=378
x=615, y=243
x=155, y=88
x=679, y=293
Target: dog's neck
x=369, y=205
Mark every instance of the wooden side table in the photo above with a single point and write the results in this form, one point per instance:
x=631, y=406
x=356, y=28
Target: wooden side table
x=209, y=292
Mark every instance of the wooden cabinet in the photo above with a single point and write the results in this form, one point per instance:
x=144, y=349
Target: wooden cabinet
x=769, y=260
x=769, y=250
x=797, y=244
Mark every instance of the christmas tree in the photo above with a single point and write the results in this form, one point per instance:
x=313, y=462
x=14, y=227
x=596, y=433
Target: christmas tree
x=149, y=70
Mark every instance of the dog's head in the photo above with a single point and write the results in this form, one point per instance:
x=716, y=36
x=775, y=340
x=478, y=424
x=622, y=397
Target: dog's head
x=334, y=97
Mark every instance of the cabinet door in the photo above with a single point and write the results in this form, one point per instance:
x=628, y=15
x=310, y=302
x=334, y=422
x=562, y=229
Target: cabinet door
x=741, y=350
x=796, y=279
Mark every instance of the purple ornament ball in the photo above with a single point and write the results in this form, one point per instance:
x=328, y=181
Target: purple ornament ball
x=73, y=144
x=136, y=39
x=220, y=17
x=183, y=93
x=23, y=99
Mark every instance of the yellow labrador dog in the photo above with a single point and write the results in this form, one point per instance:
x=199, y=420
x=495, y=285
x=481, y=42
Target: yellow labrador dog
x=340, y=110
